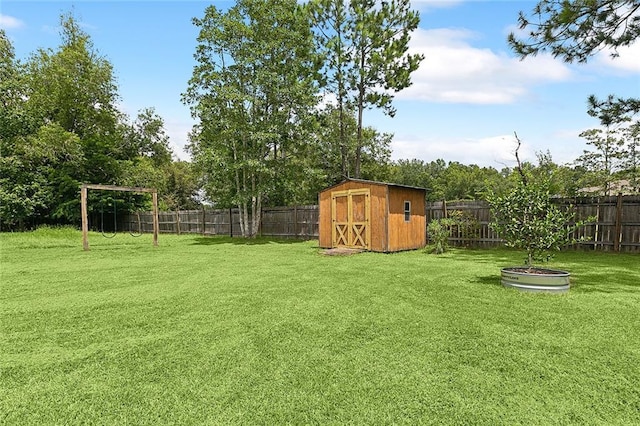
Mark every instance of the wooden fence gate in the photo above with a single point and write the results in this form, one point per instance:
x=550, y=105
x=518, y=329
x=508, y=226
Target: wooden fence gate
x=350, y=216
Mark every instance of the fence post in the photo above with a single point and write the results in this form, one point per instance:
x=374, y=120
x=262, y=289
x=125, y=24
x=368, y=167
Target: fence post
x=156, y=218
x=618, y=233
x=85, y=220
x=204, y=223
x=177, y=222
x=304, y=224
x=595, y=237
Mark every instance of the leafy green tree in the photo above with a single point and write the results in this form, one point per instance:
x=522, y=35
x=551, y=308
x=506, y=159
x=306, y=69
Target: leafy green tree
x=564, y=181
x=39, y=175
x=336, y=162
x=528, y=220
x=182, y=186
x=413, y=172
x=15, y=180
x=452, y=181
x=59, y=126
x=330, y=22
x=630, y=163
x=253, y=89
x=74, y=88
x=603, y=160
x=335, y=135
x=143, y=172
x=465, y=182
x=13, y=119
x=375, y=155
x=146, y=137
x=608, y=142
x=574, y=30
x=365, y=44
x=381, y=35
x=40, y=161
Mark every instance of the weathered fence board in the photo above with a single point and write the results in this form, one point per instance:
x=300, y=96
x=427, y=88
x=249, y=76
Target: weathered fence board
x=616, y=226
x=297, y=222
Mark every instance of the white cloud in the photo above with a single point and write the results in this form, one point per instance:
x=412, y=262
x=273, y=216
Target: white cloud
x=516, y=30
x=177, y=125
x=453, y=71
x=9, y=22
x=178, y=130
x=327, y=99
x=627, y=61
x=491, y=151
x=568, y=145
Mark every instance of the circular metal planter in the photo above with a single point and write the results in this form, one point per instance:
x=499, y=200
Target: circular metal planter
x=537, y=280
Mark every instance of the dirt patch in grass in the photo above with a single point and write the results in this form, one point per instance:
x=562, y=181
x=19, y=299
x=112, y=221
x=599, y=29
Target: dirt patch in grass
x=340, y=251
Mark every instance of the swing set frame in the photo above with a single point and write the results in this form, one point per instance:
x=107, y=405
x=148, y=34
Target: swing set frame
x=83, y=206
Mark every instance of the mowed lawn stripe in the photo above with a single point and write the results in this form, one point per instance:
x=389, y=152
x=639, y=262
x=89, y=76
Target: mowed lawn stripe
x=215, y=330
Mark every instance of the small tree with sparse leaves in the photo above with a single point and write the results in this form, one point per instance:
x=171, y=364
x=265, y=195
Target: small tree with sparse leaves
x=527, y=219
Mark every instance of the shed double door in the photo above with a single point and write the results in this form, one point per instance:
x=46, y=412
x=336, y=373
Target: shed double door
x=350, y=219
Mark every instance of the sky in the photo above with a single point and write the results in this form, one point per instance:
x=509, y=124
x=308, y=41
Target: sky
x=467, y=99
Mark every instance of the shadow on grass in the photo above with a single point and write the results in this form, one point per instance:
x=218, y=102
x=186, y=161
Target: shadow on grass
x=493, y=280
x=585, y=283
x=591, y=272
x=219, y=240
x=602, y=272
x=499, y=256
x=605, y=282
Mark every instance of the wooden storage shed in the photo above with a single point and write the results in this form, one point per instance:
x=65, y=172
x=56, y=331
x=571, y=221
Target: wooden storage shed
x=374, y=216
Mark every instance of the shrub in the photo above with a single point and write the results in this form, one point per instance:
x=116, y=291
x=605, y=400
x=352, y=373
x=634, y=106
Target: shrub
x=439, y=232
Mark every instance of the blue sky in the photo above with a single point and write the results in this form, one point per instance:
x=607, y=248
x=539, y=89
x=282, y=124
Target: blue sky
x=468, y=97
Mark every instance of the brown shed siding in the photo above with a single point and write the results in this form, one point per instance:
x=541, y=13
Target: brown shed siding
x=378, y=207
x=324, y=222
x=406, y=235
x=378, y=223
x=388, y=230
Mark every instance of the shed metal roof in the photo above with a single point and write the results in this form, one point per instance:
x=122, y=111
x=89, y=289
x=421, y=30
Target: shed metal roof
x=373, y=182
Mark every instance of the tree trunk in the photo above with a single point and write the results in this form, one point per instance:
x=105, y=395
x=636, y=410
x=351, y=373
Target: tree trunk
x=256, y=206
x=361, y=93
x=244, y=220
x=255, y=209
x=344, y=147
x=343, y=142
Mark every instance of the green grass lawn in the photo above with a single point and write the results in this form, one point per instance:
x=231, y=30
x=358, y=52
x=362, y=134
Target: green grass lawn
x=221, y=331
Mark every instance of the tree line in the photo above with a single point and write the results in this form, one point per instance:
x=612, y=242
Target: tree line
x=279, y=93
x=60, y=127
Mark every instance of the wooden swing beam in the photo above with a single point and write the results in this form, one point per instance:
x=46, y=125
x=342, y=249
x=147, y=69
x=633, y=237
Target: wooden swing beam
x=83, y=205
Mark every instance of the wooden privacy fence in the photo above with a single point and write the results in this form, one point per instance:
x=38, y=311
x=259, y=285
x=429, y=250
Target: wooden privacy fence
x=616, y=226
x=293, y=222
